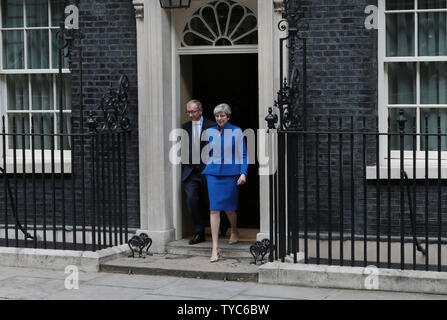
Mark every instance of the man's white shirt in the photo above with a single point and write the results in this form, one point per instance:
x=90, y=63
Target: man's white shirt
x=196, y=130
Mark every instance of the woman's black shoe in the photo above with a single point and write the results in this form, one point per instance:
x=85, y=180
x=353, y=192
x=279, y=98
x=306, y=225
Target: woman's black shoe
x=199, y=237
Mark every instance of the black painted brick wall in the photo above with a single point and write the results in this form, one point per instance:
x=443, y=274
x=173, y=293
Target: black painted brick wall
x=342, y=59
x=109, y=51
x=343, y=83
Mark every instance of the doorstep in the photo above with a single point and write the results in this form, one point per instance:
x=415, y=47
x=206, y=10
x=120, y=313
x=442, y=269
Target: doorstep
x=175, y=265
x=192, y=261
x=240, y=250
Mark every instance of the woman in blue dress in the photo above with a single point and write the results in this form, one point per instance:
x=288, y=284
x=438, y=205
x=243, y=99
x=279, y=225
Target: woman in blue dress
x=226, y=170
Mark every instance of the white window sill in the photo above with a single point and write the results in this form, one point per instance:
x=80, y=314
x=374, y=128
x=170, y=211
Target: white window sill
x=371, y=171
x=47, y=166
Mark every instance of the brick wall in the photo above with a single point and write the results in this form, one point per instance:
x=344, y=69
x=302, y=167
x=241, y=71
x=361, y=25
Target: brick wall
x=109, y=51
x=342, y=59
x=343, y=83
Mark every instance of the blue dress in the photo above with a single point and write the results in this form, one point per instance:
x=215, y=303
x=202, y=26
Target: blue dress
x=226, y=163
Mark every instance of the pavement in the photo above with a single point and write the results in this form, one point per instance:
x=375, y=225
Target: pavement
x=38, y=284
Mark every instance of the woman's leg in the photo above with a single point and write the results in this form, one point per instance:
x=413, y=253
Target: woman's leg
x=215, y=223
x=232, y=216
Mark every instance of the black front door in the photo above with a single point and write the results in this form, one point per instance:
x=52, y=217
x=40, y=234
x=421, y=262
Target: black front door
x=232, y=79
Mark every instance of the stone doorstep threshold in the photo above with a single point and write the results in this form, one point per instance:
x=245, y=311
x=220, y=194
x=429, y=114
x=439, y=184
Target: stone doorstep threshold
x=198, y=267
x=86, y=261
x=319, y=276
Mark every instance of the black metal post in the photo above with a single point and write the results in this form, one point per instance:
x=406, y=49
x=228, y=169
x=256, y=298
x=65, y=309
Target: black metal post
x=14, y=146
x=340, y=177
x=61, y=130
x=378, y=200
x=439, y=197
x=120, y=200
x=427, y=246
x=414, y=193
x=25, y=211
x=329, y=181
x=93, y=206
x=44, y=206
x=281, y=196
x=33, y=169
x=5, y=177
x=352, y=195
x=365, y=199
x=317, y=191
x=389, y=193
x=401, y=123
x=53, y=182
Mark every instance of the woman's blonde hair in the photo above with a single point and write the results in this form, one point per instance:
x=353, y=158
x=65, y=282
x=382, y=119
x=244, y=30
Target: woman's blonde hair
x=223, y=107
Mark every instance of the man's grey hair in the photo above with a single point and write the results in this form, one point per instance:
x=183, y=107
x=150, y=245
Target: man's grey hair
x=196, y=102
x=223, y=108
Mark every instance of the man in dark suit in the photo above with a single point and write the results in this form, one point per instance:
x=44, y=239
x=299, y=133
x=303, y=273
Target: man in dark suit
x=194, y=183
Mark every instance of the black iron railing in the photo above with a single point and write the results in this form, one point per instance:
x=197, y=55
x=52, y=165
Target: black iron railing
x=344, y=194
x=66, y=190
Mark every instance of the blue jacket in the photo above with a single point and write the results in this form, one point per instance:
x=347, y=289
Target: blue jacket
x=227, y=153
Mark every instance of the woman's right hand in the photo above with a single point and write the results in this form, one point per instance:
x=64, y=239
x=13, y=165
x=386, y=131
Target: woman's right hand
x=242, y=180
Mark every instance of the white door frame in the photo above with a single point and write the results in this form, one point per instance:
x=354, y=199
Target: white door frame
x=159, y=112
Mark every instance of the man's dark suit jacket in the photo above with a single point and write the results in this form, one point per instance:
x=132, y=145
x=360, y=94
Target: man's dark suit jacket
x=188, y=168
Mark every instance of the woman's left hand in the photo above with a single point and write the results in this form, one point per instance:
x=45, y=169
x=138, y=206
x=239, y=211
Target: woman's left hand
x=242, y=180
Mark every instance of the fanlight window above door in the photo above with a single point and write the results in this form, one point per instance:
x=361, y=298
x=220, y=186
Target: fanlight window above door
x=221, y=23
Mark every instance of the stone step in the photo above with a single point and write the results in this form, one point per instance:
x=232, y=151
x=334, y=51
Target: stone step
x=239, y=250
x=227, y=269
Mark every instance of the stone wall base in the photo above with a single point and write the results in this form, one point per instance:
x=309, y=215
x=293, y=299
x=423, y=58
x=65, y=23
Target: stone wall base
x=371, y=278
x=59, y=259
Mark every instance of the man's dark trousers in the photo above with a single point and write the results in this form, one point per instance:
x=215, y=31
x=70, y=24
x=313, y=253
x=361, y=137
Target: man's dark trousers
x=196, y=193
x=194, y=183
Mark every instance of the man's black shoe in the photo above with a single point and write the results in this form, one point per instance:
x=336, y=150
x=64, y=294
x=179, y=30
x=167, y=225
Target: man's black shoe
x=199, y=237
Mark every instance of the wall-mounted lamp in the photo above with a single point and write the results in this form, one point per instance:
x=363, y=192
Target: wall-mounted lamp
x=175, y=4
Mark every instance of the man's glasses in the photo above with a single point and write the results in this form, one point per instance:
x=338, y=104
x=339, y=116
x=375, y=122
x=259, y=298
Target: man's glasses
x=192, y=112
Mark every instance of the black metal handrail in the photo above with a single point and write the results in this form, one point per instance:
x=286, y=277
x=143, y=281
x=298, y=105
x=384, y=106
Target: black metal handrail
x=13, y=207
x=412, y=214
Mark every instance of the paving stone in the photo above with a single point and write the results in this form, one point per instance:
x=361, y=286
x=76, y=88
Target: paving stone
x=8, y=272
x=288, y=292
x=160, y=297
x=431, y=297
x=135, y=281
x=89, y=292
x=248, y=297
x=29, y=288
x=377, y=295
x=207, y=289
x=49, y=274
